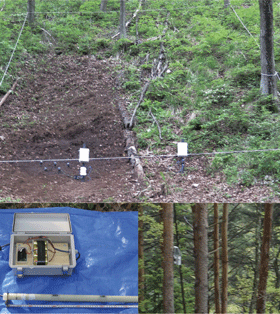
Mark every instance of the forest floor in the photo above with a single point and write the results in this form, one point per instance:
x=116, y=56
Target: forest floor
x=62, y=102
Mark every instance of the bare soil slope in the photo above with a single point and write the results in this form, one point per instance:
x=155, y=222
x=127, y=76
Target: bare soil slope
x=62, y=102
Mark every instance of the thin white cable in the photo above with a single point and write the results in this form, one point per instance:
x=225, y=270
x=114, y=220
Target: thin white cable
x=94, y=12
x=275, y=74
x=13, y=50
x=139, y=156
x=245, y=27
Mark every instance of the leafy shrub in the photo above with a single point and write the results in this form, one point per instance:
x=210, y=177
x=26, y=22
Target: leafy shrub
x=220, y=95
x=101, y=43
x=245, y=76
x=132, y=85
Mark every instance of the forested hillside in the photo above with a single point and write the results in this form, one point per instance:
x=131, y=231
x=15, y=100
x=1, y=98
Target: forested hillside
x=191, y=66
x=244, y=237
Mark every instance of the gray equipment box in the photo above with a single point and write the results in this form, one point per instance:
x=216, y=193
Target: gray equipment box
x=42, y=244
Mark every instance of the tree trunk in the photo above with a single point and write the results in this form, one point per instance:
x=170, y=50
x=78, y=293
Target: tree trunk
x=122, y=20
x=268, y=78
x=141, y=255
x=180, y=266
x=264, y=265
x=226, y=3
x=168, y=293
x=200, y=225
x=257, y=264
x=30, y=11
x=276, y=269
x=224, y=259
x=216, y=259
x=103, y=5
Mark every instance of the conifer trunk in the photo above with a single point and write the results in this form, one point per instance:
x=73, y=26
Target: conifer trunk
x=168, y=293
x=180, y=266
x=224, y=259
x=264, y=265
x=200, y=225
x=216, y=259
x=257, y=265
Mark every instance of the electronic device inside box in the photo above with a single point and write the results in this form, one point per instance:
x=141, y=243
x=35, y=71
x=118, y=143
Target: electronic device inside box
x=42, y=244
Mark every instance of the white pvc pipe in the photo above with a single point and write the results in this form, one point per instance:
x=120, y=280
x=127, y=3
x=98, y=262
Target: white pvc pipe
x=73, y=306
x=69, y=297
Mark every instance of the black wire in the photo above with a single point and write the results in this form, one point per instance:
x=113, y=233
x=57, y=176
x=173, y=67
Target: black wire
x=1, y=246
x=79, y=255
x=61, y=250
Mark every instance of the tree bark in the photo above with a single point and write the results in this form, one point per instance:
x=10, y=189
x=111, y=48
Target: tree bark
x=224, y=259
x=168, y=293
x=141, y=255
x=268, y=78
x=264, y=265
x=200, y=225
x=276, y=269
x=122, y=19
x=226, y=3
x=180, y=266
x=257, y=265
x=216, y=259
x=103, y=6
x=30, y=11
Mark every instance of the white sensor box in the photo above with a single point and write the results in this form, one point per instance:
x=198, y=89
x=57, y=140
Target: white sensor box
x=84, y=155
x=182, y=149
x=42, y=244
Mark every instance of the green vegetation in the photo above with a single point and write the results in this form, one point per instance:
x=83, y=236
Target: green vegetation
x=210, y=95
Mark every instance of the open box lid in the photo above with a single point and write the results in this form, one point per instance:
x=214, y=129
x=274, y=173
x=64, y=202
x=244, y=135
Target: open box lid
x=42, y=223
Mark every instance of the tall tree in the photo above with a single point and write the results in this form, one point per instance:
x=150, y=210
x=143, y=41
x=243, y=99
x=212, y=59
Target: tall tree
x=224, y=294
x=103, y=5
x=257, y=264
x=200, y=226
x=268, y=78
x=264, y=265
x=180, y=266
x=31, y=11
x=122, y=19
x=168, y=278
x=216, y=259
x=226, y=3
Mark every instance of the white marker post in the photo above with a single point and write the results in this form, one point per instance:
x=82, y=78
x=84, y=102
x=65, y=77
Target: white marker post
x=83, y=157
x=182, y=149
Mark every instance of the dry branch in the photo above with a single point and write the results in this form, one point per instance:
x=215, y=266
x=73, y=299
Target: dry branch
x=146, y=86
x=155, y=120
x=157, y=71
x=133, y=16
x=8, y=93
x=47, y=33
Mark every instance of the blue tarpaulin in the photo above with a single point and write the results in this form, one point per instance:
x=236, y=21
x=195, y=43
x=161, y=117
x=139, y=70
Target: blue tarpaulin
x=108, y=265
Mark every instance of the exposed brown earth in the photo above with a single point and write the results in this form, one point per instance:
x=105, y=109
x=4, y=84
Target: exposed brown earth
x=62, y=102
